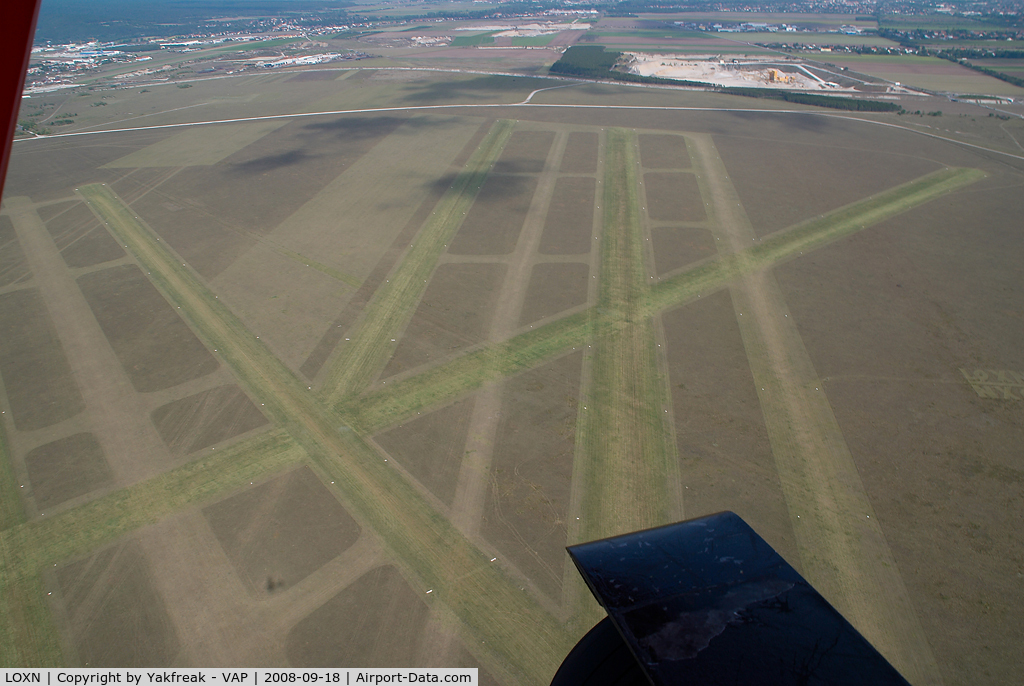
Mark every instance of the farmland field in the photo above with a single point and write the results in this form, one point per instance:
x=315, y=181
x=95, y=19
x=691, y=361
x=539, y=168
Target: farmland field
x=339, y=388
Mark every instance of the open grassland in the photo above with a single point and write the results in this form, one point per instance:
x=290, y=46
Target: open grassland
x=930, y=73
x=365, y=355
x=197, y=146
x=11, y=511
x=480, y=594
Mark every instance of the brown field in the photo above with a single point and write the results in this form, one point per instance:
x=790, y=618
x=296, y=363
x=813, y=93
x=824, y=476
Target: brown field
x=676, y=247
x=580, y=156
x=724, y=455
x=13, y=267
x=430, y=447
x=115, y=617
x=66, y=468
x=48, y=212
x=663, y=151
x=378, y=621
x=333, y=335
x=673, y=197
x=207, y=213
x=278, y=533
x=140, y=181
x=941, y=465
x=206, y=418
x=525, y=153
x=781, y=184
x=155, y=347
x=40, y=386
x=528, y=498
x=495, y=219
x=81, y=239
x=48, y=172
x=569, y=226
x=454, y=313
x=554, y=287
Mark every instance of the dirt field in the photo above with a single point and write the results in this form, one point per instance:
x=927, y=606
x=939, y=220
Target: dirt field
x=724, y=454
x=431, y=447
x=199, y=146
x=206, y=418
x=13, y=267
x=659, y=151
x=569, y=227
x=282, y=531
x=453, y=314
x=528, y=499
x=493, y=223
x=312, y=365
x=40, y=385
x=81, y=239
x=155, y=347
x=50, y=170
x=933, y=455
x=781, y=184
x=580, y=156
x=208, y=213
x=378, y=621
x=525, y=153
x=676, y=247
x=115, y=617
x=554, y=288
x=673, y=197
x=66, y=469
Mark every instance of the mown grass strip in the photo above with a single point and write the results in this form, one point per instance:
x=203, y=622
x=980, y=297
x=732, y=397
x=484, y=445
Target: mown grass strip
x=320, y=267
x=27, y=634
x=11, y=511
x=28, y=637
x=859, y=215
x=809, y=235
x=48, y=540
x=394, y=302
x=626, y=451
x=509, y=623
x=401, y=400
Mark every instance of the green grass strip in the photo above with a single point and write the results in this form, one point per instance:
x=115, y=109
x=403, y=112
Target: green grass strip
x=509, y=623
x=443, y=384
x=810, y=235
x=27, y=634
x=859, y=215
x=48, y=540
x=395, y=300
x=625, y=449
x=11, y=512
x=28, y=637
x=401, y=400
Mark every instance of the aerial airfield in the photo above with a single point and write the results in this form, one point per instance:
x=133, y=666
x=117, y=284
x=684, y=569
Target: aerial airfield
x=325, y=364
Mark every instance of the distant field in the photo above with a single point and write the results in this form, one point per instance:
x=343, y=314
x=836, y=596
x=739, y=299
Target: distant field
x=816, y=38
x=384, y=366
x=924, y=72
x=795, y=18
